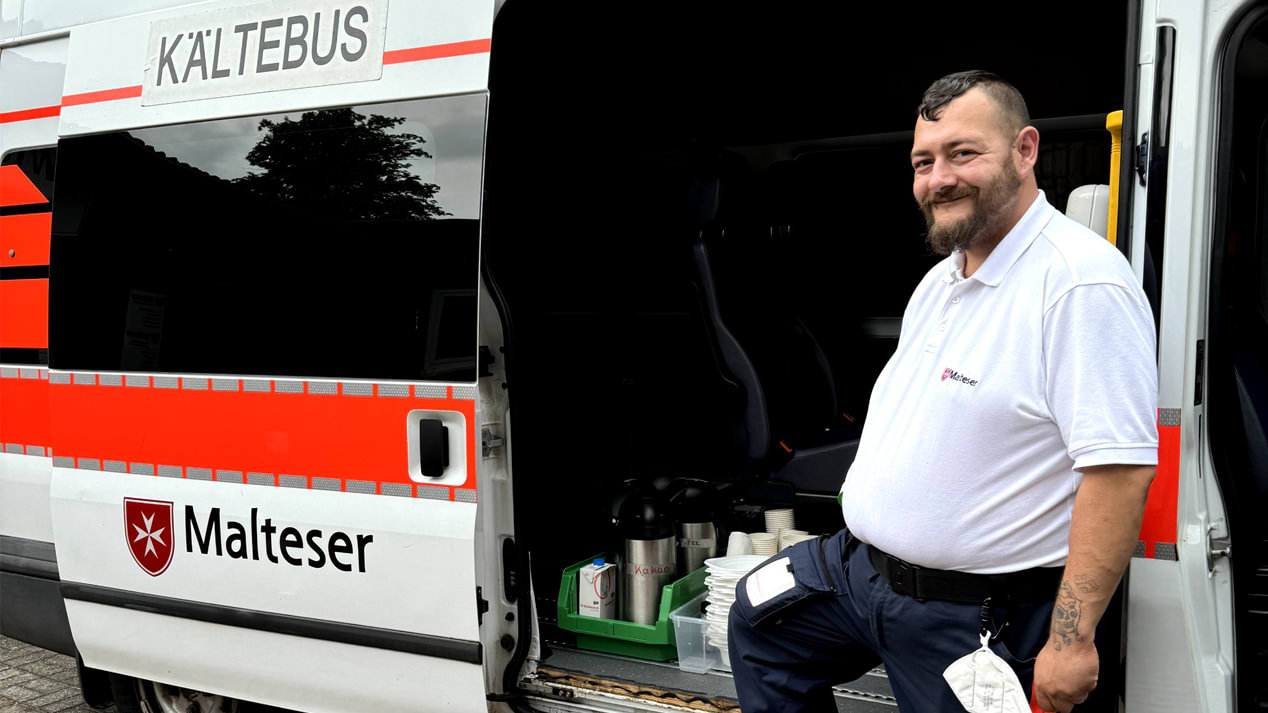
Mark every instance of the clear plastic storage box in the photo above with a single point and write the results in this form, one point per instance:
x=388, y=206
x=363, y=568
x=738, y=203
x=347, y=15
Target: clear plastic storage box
x=695, y=653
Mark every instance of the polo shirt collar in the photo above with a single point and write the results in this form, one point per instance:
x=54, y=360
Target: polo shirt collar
x=1005, y=255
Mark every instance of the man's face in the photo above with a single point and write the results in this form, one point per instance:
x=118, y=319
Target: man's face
x=965, y=181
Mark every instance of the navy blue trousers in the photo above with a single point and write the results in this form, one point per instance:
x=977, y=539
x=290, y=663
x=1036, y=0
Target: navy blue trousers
x=842, y=619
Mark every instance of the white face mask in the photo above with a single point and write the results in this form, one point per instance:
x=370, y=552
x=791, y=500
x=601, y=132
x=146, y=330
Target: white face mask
x=985, y=683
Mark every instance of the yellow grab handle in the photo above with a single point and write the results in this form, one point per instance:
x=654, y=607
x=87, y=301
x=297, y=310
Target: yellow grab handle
x=1114, y=124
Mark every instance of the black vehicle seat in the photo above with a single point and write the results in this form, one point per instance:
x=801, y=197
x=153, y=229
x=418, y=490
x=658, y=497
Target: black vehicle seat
x=787, y=419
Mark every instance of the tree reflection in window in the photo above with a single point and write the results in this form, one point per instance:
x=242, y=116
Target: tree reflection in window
x=339, y=162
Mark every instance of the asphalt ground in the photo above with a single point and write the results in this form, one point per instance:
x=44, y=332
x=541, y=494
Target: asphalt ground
x=35, y=680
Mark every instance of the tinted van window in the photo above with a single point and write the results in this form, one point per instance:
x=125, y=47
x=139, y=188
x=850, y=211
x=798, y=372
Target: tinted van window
x=330, y=243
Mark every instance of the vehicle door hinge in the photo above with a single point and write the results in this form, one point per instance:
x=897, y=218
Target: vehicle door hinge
x=486, y=360
x=1216, y=547
x=1142, y=157
x=490, y=439
x=482, y=606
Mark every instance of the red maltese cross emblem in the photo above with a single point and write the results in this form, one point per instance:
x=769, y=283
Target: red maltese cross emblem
x=148, y=527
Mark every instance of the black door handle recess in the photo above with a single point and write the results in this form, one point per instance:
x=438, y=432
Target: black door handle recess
x=433, y=447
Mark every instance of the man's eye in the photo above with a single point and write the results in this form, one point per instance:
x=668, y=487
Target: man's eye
x=920, y=164
x=964, y=153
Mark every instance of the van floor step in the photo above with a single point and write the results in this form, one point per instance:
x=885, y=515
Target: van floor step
x=568, y=672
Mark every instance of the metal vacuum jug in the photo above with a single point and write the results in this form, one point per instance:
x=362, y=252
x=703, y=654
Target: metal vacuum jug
x=648, y=560
x=692, y=505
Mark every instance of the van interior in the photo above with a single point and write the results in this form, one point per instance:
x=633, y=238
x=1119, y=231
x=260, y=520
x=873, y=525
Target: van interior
x=699, y=219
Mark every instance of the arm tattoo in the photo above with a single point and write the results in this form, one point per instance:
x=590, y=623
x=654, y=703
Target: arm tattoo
x=1086, y=584
x=1066, y=615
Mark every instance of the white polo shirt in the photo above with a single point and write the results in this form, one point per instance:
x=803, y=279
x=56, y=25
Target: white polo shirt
x=1003, y=385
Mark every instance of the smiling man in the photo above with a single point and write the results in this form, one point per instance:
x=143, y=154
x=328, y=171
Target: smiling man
x=1008, y=451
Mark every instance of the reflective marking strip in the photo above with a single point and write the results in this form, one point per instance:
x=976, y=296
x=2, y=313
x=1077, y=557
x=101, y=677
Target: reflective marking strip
x=393, y=389
x=398, y=489
x=83, y=379
x=8, y=372
x=229, y=476
x=1159, y=524
x=292, y=481
x=193, y=384
x=35, y=451
x=288, y=387
x=171, y=471
x=29, y=373
x=433, y=492
x=326, y=484
x=1166, y=551
x=325, y=388
x=449, y=49
x=256, y=385
x=44, y=373
x=59, y=377
x=166, y=382
x=356, y=389
x=63, y=462
x=135, y=380
x=464, y=392
x=104, y=95
x=1140, y=549
x=430, y=392
x=141, y=468
x=13, y=448
x=464, y=495
x=198, y=473
x=89, y=464
x=110, y=380
x=116, y=466
x=224, y=384
x=261, y=479
x=360, y=486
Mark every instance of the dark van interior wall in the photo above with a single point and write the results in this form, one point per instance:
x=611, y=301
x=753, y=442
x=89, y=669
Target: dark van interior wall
x=599, y=115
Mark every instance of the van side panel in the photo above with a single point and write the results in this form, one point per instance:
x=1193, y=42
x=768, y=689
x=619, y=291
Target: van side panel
x=30, y=97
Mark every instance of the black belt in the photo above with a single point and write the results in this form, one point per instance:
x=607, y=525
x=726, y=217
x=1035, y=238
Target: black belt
x=1031, y=585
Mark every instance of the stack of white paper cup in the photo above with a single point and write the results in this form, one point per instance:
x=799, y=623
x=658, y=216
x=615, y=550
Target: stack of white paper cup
x=764, y=543
x=779, y=519
x=788, y=538
x=738, y=544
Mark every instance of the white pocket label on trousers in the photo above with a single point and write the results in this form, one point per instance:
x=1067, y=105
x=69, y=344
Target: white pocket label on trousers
x=774, y=578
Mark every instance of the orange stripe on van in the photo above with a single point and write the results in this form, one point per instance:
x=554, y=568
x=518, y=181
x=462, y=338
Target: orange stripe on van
x=24, y=313
x=24, y=411
x=17, y=189
x=1159, y=524
x=27, y=236
x=104, y=95
x=451, y=49
x=27, y=114
x=306, y=434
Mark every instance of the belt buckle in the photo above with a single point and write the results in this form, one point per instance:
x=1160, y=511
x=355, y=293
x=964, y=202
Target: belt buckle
x=903, y=577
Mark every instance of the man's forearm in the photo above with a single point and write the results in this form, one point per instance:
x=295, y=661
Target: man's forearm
x=1103, y=532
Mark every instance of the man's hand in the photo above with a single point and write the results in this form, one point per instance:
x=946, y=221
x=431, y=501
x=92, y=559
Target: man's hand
x=1065, y=676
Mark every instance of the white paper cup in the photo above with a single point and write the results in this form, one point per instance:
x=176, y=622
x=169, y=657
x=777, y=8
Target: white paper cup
x=764, y=543
x=739, y=544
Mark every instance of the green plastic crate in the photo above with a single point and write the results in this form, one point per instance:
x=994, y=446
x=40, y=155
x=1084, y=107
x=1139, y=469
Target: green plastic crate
x=612, y=636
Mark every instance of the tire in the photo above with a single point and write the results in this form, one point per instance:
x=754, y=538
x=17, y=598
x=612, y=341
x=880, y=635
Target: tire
x=133, y=695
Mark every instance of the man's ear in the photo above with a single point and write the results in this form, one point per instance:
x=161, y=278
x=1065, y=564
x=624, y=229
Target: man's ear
x=1027, y=148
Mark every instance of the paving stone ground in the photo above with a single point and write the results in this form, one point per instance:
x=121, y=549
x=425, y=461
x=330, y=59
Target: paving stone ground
x=35, y=680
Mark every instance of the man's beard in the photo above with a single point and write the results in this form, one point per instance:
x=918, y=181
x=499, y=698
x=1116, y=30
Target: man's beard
x=990, y=204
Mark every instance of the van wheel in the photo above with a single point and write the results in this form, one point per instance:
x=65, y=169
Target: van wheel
x=133, y=695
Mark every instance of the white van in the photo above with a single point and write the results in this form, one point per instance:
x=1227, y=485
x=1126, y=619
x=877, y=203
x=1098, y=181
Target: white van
x=273, y=274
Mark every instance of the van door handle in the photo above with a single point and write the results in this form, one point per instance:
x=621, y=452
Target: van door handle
x=433, y=447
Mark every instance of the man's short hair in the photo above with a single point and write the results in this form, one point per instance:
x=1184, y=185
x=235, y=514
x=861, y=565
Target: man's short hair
x=1012, y=107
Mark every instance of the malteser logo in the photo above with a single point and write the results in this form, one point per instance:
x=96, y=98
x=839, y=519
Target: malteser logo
x=954, y=375
x=147, y=525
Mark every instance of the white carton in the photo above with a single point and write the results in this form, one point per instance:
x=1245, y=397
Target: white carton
x=596, y=590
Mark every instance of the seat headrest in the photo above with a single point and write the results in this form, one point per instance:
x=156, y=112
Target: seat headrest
x=1089, y=205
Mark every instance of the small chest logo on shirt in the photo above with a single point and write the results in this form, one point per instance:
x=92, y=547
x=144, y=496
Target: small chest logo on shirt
x=954, y=375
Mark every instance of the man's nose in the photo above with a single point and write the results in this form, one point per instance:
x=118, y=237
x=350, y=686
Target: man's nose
x=941, y=176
